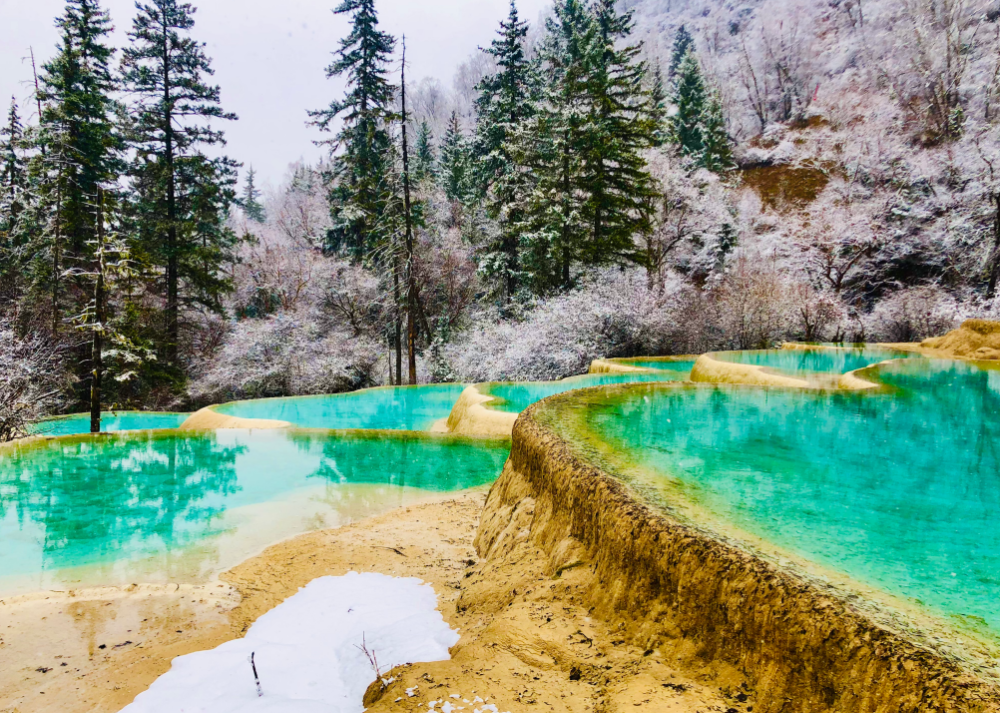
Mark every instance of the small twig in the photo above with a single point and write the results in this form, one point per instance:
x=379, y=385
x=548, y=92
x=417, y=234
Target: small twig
x=372, y=659
x=256, y=678
x=391, y=549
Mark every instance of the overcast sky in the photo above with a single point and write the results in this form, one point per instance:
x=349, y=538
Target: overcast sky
x=269, y=57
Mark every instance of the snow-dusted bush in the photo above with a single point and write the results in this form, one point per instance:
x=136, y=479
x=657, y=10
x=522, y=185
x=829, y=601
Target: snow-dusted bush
x=287, y=354
x=913, y=314
x=30, y=381
x=756, y=304
x=614, y=314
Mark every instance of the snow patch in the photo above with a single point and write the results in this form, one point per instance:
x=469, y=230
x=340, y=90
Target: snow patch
x=306, y=651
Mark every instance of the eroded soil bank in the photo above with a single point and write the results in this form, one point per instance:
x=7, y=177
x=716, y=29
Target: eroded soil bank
x=688, y=597
x=528, y=641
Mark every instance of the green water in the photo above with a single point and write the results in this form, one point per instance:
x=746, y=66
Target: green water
x=899, y=490
x=74, y=502
x=110, y=423
x=404, y=408
x=823, y=361
x=683, y=367
x=516, y=397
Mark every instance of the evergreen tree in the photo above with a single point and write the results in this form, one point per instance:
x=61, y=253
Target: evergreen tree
x=424, y=161
x=81, y=151
x=698, y=127
x=250, y=200
x=506, y=100
x=12, y=195
x=683, y=43
x=690, y=101
x=658, y=107
x=718, y=154
x=363, y=138
x=621, y=126
x=551, y=148
x=455, y=160
x=183, y=196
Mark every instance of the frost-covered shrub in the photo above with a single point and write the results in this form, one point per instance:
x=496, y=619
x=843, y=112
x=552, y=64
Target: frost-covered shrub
x=285, y=355
x=30, y=381
x=913, y=314
x=615, y=314
x=756, y=304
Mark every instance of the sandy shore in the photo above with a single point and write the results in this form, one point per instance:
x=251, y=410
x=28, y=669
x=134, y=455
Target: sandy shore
x=526, y=642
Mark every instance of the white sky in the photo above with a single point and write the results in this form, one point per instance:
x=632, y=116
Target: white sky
x=269, y=57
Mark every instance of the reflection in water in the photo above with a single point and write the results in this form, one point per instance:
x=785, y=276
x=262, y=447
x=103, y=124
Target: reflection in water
x=79, y=424
x=899, y=490
x=161, y=499
x=406, y=408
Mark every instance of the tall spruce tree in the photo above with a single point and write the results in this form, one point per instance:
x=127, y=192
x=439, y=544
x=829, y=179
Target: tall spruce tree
x=690, y=100
x=507, y=99
x=13, y=180
x=183, y=195
x=250, y=200
x=455, y=162
x=683, y=43
x=620, y=127
x=551, y=147
x=81, y=153
x=697, y=127
x=361, y=145
x=424, y=160
x=658, y=106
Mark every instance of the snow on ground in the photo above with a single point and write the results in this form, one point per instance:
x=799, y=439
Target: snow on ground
x=306, y=651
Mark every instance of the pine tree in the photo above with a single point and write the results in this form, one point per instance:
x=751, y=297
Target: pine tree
x=455, y=160
x=698, y=127
x=551, y=147
x=683, y=43
x=506, y=101
x=690, y=102
x=621, y=126
x=81, y=150
x=363, y=138
x=658, y=107
x=183, y=196
x=13, y=181
x=424, y=161
x=250, y=200
x=718, y=154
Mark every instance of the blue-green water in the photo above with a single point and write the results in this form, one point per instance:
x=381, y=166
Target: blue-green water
x=683, y=367
x=516, y=397
x=405, y=408
x=822, y=361
x=110, y=423
x=898, y=489
x=82, y=501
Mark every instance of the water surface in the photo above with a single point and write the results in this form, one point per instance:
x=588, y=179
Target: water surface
x=111, y=422
x=815, y=361
x=516, y=397
x=405, y=408
x=900, y=490
x=113, y=501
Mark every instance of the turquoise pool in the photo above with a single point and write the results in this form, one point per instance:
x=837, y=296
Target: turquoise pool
x=115, y=501
x=899, y=490
x=682, y=367
x=79, y=423
x=821, y=361
x=405, y=408
x=516, y=397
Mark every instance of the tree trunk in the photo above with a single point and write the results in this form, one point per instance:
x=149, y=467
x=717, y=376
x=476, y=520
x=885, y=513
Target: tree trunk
x=995, y=259
x=411, y=322
x=173, y=329
x=396, y=317
x=96, y=353
x=55, y=260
